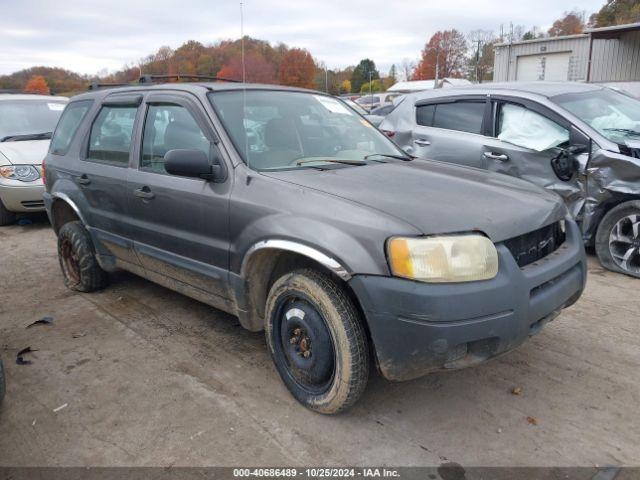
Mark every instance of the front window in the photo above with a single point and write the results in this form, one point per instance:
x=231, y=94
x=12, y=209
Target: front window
x=276, y=130
x=28, y=119
x=526, y=128
x=615, y=115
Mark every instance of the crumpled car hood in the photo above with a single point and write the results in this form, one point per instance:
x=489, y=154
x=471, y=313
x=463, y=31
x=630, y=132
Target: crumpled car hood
x=437, y=197
x=28, y=152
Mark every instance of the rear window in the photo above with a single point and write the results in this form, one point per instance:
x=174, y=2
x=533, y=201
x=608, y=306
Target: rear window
x=68, y=125
x=459, y=116
x=111, y=133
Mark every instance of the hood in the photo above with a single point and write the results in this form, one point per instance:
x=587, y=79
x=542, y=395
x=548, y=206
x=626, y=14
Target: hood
x=29, y=152
x=439, y=198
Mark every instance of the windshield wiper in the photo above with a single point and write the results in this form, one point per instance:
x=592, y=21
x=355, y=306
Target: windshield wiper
x=27, y=136
x=388, y=155
x=331, y=160
x=628, y=131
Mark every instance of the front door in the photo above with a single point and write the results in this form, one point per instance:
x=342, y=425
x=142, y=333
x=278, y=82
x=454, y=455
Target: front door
x=179, y=225
x=524, y=144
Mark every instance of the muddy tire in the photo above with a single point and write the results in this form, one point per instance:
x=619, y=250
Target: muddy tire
x=618, y=239
x=317, y=341
x=77, y=258
x=6, y=217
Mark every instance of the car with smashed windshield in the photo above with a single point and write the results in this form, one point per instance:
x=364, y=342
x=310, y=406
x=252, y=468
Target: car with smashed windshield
x=287, y=209
x=579, y=140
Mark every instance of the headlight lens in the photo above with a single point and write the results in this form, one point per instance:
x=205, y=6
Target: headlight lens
x=24, y=173
x=453, y=258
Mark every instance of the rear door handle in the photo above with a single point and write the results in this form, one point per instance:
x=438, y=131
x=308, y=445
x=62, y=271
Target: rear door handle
x=144, y=192
x=83, y=179
x=496, y=156
x=421, y=142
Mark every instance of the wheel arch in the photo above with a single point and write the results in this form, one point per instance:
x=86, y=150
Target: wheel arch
x=64, y=210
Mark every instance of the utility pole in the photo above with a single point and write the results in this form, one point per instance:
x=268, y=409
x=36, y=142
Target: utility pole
x=435, y=85
x=242, y=42
x=370, y=94
x=326, y=79
x=478, y=77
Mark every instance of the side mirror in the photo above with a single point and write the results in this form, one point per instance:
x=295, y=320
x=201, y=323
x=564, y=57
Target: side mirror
x=190, y=163
x=565, y=164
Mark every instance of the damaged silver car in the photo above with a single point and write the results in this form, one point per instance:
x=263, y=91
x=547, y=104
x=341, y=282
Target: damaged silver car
x=581, y=141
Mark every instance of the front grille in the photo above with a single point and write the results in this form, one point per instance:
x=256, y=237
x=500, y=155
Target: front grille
x=535, y=245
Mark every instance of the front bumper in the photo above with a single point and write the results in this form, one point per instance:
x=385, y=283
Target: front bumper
x=419, y=327
x=22, y=197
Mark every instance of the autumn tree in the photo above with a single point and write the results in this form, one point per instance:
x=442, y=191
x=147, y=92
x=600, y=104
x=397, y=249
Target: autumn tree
x=443, y=56
x=256, y=68
x=616, y=12
x=297, y=69
x=37, y=84
x=345, y=86
x=571, y=24
x=407, y=68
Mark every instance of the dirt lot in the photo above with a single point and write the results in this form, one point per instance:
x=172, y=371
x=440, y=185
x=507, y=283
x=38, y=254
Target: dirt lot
x=154, y=378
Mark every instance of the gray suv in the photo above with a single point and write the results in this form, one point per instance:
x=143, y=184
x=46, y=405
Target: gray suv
x=581, y=141
x=283, y=207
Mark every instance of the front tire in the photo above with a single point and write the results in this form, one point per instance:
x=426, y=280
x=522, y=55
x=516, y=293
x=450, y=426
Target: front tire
x=6, y=217
x=618, y=239
x=78, y=261
x=317, y=341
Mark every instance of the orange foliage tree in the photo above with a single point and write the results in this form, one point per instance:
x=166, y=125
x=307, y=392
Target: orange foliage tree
x=570, y=24
x=257, y=69
x=37, y=84
x=297, y=69
x=447, y=50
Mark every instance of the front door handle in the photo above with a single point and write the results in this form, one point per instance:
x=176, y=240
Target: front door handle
x=144, y=193
x=421, y=142
x=496, y=156
x=83, y=179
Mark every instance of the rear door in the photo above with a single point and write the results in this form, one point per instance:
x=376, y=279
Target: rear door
x=102, y=172
x=526, y=137
x=179, y=225
x=450, y=130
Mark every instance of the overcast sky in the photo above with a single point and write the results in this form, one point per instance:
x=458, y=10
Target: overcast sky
x=88, y=36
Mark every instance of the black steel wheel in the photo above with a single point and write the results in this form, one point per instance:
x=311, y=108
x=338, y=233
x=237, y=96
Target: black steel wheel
x=317, y=340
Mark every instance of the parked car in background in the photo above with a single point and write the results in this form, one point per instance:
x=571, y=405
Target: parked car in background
x=581, y=141
x=26, y=125
x=369, y=102
x=376, y=116
x=283, y=207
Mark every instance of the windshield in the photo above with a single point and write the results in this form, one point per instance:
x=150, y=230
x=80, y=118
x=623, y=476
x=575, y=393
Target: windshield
x=275, y=130
x=355, y=106
x=613, y=114
x=28, y=117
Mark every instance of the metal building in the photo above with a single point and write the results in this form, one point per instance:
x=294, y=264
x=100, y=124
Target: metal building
x=608, y=54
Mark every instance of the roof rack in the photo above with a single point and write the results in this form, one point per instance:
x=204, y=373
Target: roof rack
x=98, y=85
x=10, y=90
x=181, y=76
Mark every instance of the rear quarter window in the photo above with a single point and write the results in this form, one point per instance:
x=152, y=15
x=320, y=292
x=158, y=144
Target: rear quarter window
x=68, y=126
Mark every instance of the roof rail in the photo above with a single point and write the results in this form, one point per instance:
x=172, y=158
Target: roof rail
x=10, y=90
x=181, y=76
x=98, y=85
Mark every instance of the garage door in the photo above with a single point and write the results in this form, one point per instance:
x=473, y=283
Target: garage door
x=549, y=66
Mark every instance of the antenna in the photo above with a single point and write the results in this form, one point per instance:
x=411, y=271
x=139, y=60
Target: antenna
x=242, y=41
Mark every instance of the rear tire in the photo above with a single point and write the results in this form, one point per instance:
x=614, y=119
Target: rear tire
x=317, y=341
x=78, y=261
x=6, y=217
x=618, y=239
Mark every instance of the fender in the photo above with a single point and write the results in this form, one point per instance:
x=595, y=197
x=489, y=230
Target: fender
x=287, y=245
x=65, y=198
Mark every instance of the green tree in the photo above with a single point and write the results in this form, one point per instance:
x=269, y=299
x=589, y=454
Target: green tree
x=376, y=86
x=361, y=74
x=616, y=12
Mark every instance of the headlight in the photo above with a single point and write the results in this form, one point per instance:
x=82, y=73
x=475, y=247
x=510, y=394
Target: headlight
x=453, y=258
x=24, y=173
